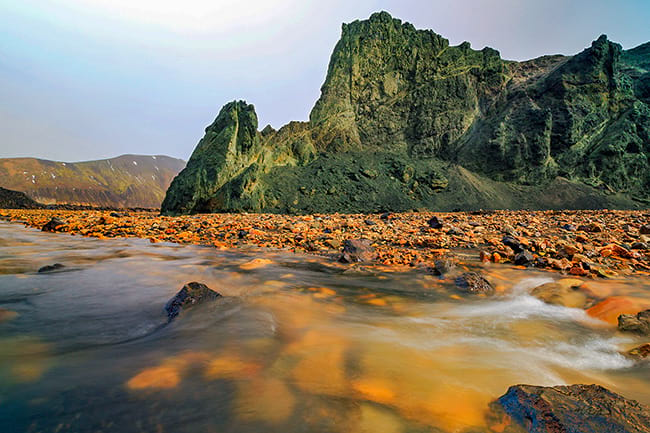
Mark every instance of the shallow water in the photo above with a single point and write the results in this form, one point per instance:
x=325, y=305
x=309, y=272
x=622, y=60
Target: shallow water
x=298, y=344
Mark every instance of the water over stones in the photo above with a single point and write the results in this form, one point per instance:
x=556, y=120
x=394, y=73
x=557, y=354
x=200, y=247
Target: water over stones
x=639, y=353
x=191, y=294
x=564, y=292
x=571, y=409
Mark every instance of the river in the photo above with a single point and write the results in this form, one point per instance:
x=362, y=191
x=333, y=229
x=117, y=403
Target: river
x=298, y=343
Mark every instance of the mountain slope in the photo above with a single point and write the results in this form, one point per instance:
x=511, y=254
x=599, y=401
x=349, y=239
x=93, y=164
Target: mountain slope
x=125, y=181
x=406, y=121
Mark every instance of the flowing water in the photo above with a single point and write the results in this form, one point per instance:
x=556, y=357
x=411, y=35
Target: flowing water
x=297, y=344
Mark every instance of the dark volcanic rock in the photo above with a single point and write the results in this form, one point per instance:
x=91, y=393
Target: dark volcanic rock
x=407, y=121
x=645, y=229
x=513, y=243
x=639, y=323
x=473, y=282
x=53, y=225
x=524, y=258
x=191, y=294
x=572, y=409
x=51, y=268
x=443, y=267
x=16, y=200
x=357, y=250
x=435, y=223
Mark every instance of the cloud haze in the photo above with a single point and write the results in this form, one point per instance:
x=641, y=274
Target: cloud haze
x=85, y=79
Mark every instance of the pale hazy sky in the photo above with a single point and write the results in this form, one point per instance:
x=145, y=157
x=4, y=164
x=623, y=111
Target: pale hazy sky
x=87, y=79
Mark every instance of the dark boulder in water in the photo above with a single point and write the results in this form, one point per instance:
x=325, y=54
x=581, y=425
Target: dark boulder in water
x=570, y=409
x=639, y=323
x=473, y=282
x=191, y=294
x=443, y=267
x=53, y=225
x=50, y=268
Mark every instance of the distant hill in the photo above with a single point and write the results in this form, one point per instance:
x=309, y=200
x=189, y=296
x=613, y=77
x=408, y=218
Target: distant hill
x=407, y=121
x=125, y=181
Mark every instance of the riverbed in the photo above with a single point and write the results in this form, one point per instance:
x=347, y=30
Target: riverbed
x=298, y=343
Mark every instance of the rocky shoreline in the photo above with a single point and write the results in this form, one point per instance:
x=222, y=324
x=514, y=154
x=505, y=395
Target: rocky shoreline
x=602, y=244
x=592, y=244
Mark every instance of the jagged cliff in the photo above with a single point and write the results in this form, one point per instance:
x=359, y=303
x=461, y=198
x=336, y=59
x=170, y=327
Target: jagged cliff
x=406, y=121
x=125, y=181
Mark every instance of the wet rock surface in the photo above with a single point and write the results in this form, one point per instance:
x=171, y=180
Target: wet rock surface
x=639, y=353
x=572, y=409
x=50, y=268
x=53, y=225
x=475, y=283
x=638, y=324
x=191, y=294
x=564, y=292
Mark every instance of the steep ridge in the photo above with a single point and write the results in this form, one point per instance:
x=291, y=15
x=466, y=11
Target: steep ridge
x=406, y=121
x=125, y=181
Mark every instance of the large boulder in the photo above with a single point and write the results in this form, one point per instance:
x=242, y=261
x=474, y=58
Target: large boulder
x=571, y=409
x=191, y=294
x=638, y=324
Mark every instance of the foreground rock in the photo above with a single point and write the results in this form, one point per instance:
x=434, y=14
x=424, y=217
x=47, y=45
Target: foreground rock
x=50, y=268
x=358, y=250
x=638, y=324
x=475, y=283
x=191, y=294
x=53, y=225
x=571, y=409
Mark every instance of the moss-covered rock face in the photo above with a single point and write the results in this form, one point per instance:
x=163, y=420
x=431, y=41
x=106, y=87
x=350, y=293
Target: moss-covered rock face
x=406, y=121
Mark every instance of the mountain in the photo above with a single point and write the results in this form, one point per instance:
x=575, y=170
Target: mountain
x=406, y=121
x=125, y=181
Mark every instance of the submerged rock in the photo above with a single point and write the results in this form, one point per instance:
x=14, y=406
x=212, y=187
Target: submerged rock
x=50, y=268
x=191, y=294
x=639, y=323
x=358, y=250
x=473, y=282
x=571, y=409
x=564, y=292
x=641, y=352
x=53, y=225
x=443, y=267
